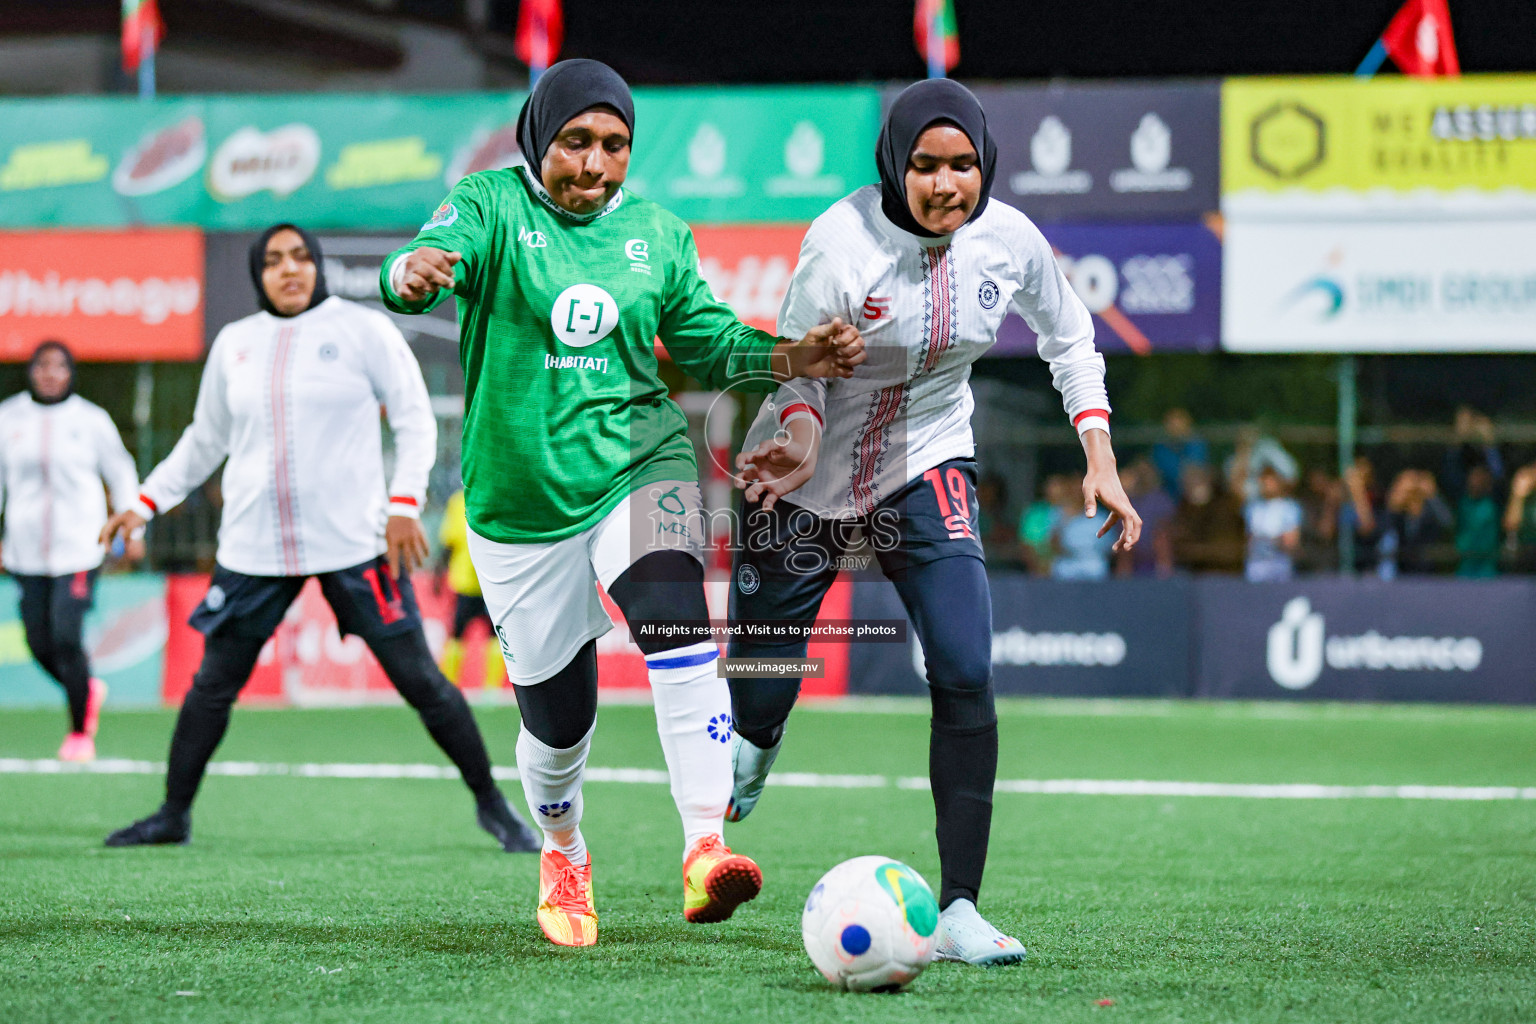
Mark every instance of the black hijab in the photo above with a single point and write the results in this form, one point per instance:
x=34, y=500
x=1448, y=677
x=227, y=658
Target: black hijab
x=565, y=90
x=258, y=259
x=916, y=110
x=69, y=360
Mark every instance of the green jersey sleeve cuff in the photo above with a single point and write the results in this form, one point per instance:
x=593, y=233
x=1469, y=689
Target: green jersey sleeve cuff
x=392, y=299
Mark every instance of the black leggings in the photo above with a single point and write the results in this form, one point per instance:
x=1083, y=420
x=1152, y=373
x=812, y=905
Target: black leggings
x=950, y=606
x=665, y=588
x=228, y=659
x=53, y=617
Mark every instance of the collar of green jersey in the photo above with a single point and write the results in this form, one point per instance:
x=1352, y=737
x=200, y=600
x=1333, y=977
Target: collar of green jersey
x=538, y=189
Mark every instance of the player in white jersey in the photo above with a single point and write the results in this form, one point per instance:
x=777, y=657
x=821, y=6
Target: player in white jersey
x=56, y=449
x=927, y=267
x=291, y=398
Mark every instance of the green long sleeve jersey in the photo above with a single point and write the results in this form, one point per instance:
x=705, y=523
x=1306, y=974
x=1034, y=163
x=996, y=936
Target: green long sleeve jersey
x=565, y=413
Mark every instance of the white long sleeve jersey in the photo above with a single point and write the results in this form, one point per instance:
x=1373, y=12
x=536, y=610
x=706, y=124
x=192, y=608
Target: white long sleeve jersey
x=293, y=404
x=927, y=308
x=54, y=460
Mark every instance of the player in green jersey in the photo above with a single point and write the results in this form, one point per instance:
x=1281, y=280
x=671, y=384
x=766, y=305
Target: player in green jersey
x=577, y=465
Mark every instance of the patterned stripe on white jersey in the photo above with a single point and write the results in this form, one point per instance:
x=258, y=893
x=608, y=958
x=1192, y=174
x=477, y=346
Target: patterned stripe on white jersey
x=939, y=304
x=282, y=455
x=874, y=441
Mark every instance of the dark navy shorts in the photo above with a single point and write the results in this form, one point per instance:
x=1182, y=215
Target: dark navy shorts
x=789, y=556
x=368, y=600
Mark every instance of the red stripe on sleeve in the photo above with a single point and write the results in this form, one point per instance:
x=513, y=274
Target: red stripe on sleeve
x=799, y=406
x=404, y=499
x=152, y=506
x=1089, y=412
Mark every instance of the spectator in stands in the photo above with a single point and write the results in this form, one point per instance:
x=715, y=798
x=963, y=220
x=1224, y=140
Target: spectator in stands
x=1320, y=500
x=1477, y=527
x=1361, y=513
x=1180, y=447
x=1520, y=520
x=1207, y=528
x=1254, y=451
x=1081, y=552
x=1154, y=555
x=1037, y=526
x=1474, y=447
x=1273, y=519
x=1418, y=525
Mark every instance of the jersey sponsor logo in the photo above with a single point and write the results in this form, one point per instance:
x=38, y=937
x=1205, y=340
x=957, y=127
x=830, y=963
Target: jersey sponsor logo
x=583, y=315
x=989, y=294
x=747, y=579
x=876, y=307
x=533, y=239
x=442, y=217
x=599, y=363
x=675, y=499
x=638, y=251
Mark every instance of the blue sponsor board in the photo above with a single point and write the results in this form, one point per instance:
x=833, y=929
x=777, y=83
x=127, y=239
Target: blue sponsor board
x=1125, y=638
x=1340, y=639
x=1150, y=287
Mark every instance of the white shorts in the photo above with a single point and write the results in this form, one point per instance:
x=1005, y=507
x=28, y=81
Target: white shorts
x=543, y=598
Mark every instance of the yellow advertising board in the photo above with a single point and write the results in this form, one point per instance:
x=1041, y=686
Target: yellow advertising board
x=1392, y=146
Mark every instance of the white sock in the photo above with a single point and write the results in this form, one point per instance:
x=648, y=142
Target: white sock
x=552, y=786
x=693, y=718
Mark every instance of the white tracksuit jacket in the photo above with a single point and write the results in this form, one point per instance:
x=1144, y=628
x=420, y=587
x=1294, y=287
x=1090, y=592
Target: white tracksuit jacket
x=928, y=308
x=53, y=460
x=293, y=403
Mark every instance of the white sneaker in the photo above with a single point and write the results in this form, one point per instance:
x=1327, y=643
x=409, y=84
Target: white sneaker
x=749, y=769
x=966, y=937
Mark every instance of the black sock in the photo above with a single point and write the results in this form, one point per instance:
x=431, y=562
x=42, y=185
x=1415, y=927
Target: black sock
x=227, y=664
x=407, y=661
x=962, y=768
x=73, y=672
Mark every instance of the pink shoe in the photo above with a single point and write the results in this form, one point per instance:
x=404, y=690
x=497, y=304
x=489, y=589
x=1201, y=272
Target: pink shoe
x=78, y=747
x=93, y=702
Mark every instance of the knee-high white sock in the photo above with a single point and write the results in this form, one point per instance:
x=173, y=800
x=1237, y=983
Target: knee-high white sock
x=693, y=718
x=552, y=786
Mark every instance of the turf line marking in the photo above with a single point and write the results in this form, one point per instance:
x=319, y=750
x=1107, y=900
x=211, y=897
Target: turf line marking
x=803, y=780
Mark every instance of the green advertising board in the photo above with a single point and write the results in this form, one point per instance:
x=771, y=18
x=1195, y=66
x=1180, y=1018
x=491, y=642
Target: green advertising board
x=385, y=162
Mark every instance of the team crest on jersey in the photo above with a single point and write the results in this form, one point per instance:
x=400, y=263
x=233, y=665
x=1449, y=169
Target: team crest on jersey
x=638, y=250
x=442, y=217
x=747, y=579
x=329, y=352
x=989, y=294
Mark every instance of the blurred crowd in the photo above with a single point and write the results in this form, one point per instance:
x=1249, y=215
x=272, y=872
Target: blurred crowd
x=1261, y=513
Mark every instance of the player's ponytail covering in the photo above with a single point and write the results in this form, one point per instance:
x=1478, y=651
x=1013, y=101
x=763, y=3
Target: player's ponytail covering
x=69, y=361
x=917, y=109
x=258, y=261
x=564, y=91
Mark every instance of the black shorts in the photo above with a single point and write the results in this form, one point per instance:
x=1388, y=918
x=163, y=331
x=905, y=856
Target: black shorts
x=466, y=609
x=789, y=556
x=368, y=601
x=55, y=606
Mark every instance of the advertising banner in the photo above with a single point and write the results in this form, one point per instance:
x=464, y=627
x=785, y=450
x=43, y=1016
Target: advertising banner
x=1402, y=640
x=1150, y=287
x=1129, y=638
x=384, y=162
x=749, y=267
x=1143, y=150
x=1380, y=287
x=109, y=295
x=125, y=636
x=1391, y=146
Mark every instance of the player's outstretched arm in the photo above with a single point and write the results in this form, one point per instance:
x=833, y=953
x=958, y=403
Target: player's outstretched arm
x=831, y=349
x=1102, y=483
x=781, y=464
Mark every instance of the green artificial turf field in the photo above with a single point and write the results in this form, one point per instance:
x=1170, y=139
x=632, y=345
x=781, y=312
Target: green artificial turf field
x=371, y=900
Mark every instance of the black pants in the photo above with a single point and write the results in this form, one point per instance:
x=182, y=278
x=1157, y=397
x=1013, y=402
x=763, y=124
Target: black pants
x=240, y=613
x=53, y=616
x=925, y=539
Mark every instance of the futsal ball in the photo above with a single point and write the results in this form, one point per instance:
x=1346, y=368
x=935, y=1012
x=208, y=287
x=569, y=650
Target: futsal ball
x=870, y=925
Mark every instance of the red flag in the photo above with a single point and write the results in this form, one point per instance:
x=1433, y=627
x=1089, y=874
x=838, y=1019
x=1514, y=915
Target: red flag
x=1419, y=39
x=540, y=31
x=939, y=13
x=139, y=17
